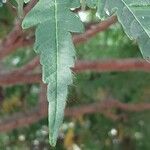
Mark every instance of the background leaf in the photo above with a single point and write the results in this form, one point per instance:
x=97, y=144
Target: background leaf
x=134, y=17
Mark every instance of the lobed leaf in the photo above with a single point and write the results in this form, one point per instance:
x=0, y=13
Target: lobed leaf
x=54, y=22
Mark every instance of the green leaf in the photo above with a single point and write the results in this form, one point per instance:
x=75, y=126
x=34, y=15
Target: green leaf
x=91, y=3
x=101, y=12
x=102, y=5
x=54, y=22
x=134, y=17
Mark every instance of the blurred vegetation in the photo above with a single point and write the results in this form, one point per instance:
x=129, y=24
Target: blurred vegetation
x=89, y=132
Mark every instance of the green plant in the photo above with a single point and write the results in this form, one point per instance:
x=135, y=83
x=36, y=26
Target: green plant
x=54, y=21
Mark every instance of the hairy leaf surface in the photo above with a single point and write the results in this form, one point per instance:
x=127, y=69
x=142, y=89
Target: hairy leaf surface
x=134, y=15
x=54, y=22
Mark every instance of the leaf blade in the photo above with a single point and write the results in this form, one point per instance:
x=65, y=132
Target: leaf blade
x=134, y=27
x=53, y=42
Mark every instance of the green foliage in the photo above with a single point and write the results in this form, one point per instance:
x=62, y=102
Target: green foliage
x=6, y=18
x=91, y=132
x=134, y=17
x=54, y=21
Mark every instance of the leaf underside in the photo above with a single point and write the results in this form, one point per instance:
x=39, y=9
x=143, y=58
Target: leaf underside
x=54, y=22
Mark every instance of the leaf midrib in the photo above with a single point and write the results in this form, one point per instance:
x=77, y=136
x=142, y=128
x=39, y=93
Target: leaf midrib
x=135, y=18
x=57, y=47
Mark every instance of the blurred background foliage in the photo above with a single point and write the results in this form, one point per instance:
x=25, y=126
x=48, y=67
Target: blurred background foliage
x=89, y=132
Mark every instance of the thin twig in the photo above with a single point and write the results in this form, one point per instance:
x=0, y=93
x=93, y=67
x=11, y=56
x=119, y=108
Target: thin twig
x=35, y=114
x=122, y=65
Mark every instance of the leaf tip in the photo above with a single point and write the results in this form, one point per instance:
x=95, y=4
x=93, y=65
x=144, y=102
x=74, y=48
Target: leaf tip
x=52, y=141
